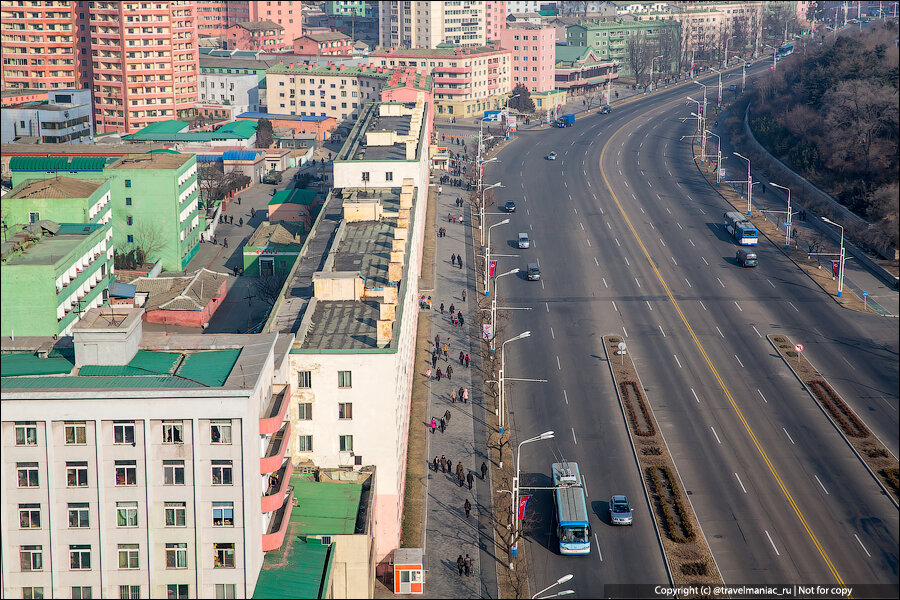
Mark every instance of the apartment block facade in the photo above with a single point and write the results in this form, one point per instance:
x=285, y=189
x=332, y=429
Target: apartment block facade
x=608, y=38
x=256, y=36
x=494, y=19
x=702, y=23
x=66, y=117
x=533, y=54
x=40, y=45
x=420, y=24
x=214, y=17
x=287, y=13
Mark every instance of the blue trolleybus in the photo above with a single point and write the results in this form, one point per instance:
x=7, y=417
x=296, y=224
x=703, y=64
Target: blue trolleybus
x=742, y=230
x=574, y=531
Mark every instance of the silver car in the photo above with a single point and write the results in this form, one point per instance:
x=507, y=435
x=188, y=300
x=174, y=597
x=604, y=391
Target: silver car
x=619, y=511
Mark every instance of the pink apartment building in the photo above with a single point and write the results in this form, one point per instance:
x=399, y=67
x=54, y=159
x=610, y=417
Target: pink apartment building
x=286, y=13
x=533, y=54
x=494, y=19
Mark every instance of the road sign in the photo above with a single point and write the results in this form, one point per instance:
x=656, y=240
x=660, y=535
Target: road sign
x=487, y=331
x=799, y=347
x=788, y=224
x=721, y=172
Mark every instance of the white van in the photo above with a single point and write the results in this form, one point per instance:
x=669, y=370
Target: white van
x=524, y=242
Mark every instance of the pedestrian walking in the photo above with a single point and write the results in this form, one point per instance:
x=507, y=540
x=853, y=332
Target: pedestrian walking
x=433, y=425
x=433, y=360
x=465, y=392
x=459, y=262
x=467, y=562
x=447, y=415
x=446, y=352
x=460, y=474
x=428, y=374
x=241, y=222
x=483, y=470
x=453, y=259
x=439, y=374
x=449, y=372
x=442, y=308
x=462, y=357
x=468, y=507
x=452, y=309
x=225, y=242
x=435, y=463
x=449, y=466
x=449, y=217
x=459, y=315
x=467, y=361
x=443, y=424
x=461, y=321
x=239, y=199
x=437, y=341
x=464, y=295
x=460, y=564
x=453, y=396
x=470, y=479
x=443, y=464
x=460, y=394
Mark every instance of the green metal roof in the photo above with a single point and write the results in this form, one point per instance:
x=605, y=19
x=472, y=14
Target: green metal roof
x=145, y=362
x=28, y=363
x=325, y=508
x=571, y=53
x=170, y=126
x=208, y=368
x=82, y=383
x=57, y=163
x=78, y=228
x=294, y=196
x=236, y=130
x=163, y=151
x=299, y=569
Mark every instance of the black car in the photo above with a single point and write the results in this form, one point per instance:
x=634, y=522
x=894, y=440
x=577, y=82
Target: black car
x=510, y=206
x=606, y=110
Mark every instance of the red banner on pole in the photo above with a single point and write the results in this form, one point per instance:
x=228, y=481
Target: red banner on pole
x=523, y=500
x=836, y=267
x=493, y=267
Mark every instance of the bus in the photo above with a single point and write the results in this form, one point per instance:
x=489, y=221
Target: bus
x=574, y=531
x=785, y=50
x=742, y=230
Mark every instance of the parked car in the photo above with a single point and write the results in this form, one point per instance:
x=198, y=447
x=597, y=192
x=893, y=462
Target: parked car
x=620, y=511
x=510, y=206
x=606, y=109
x=551, y=156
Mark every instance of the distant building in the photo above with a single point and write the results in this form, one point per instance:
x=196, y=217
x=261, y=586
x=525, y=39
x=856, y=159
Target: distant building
x=235, y=84
x=288, y=14
x=188, y=301
x=214, y=18
x=64, y=118
x=256, y=36
x=293, y=206
x=324, y=45
x=421, y=24
x=533, y=54
x=579, y=69
x=608, y=39
x=41, y=46
x=349, y=8
x=494, y=19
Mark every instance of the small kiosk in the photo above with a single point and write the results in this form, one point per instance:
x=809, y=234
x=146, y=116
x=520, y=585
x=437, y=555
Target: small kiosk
x=409, y=571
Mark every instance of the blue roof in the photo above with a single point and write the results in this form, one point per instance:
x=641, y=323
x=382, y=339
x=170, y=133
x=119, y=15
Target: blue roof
x=208, y=157
x=241, y=154
x=122, y=290
x=272, y=116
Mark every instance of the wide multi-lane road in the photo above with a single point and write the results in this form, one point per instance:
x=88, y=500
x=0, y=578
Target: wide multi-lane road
x=630, y=241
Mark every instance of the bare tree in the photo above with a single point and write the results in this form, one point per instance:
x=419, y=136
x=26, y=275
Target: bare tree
x=149, y=241
x=268, y=288
x=638, y=54
x=858, y=113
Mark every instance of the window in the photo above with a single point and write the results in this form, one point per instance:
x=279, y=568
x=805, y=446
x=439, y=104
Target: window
x=28, y=474
x=30, y=593
x=33, y=217
x=225, y=590
x=76, y=433
x=127, y=592
x=346, y=442
x=345, y=410
x=127, y=514
x=389, y=176
x=31, y=558
x=304, y=443
x=26, y=434
x=224, y=558
x=176, y=590
x=304, y=411
x=123, y=433
x=344, y=380
x=304, y=379
x=80, y=557
x=29, y=516
x=82, y=592
x=176, y=514
x=76, y=474
x=221, y=472
x=220, y=432
x=126, y=472
x=79, y=515
x=173, y=433
x=223, y=514
x=128, y=183
x=173, y=472
x=129, y=220
x=365, y=175
x=129, y=238
x=129, y=556
x=176, y=556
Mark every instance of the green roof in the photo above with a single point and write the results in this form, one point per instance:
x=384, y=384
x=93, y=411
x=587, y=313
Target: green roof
x=58, y=163
x=170, y=126
x=163, y=151
x=294, y=196
x=27, y=363
x=299, y=569
x=324, y=507
x=229, y=131
x=571, y=53
x=83, y=383
x=145, y=362
x=208, y=368
x=78, y=228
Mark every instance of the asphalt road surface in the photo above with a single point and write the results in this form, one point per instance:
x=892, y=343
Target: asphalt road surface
x=631, y=241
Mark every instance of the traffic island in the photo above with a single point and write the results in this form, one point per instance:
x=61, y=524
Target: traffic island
x=686, y=552
x=881, y=464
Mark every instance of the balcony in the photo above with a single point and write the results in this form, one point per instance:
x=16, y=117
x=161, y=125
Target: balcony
x=274, y=455
x=453, y=69
x=273, y=416
x=438, y=79
x=456, y=91
x=274, y=496
x=274, y=536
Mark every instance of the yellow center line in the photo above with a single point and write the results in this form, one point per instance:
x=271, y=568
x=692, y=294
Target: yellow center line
x=709, y=363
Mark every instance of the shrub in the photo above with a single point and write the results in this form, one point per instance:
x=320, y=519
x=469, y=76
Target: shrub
x=791, y=353
x=651, y=451
x=698, y=568
x=892, y=474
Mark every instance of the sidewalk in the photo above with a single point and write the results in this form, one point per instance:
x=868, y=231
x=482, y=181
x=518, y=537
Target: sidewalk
x=448, y=533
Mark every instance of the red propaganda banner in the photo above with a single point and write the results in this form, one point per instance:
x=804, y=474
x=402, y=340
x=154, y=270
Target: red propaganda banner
x=835, y=267
x=493, y=267
x=523, y=500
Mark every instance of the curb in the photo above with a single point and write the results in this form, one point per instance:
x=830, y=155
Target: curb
x=886, y=491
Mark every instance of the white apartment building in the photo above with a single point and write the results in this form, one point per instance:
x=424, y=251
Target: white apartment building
x=703, y=24
x=423, y=24
x=355, y=318
x=139, y=466
x=238, y=91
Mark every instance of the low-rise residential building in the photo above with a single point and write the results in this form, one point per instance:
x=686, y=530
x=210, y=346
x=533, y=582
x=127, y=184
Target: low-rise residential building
x=228, y=134
x=263, y=36
x=154, y=199
x=62, y=199
x=355, y=315
x=467, y=80
x=233, y=83
x=320, y=126
x=293, y=206
x=273, y=248
x=141, y=464
x=188, y=301
x=579, y=69
x=64, y=118
x=333, y=43
x=608, y=39
x=533, y=48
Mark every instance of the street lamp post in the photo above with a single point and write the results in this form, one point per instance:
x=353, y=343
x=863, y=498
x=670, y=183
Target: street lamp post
x=787, y=221
x=725, y=62
x=719, y=90
x=500, y=406
x=559, y=581
x=487, y=255
x=718, y=155
x=494, y=304
x=743, y=76
x=651, y=70
x=749, y=183
x=840, y=259
x=698, y=114
x=506, y=113
x=544, y=436
x=481, y=203
x=703, y=116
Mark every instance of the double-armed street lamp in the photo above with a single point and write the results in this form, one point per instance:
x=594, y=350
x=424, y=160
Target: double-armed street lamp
x=559, y=581
x=787, y=221
x=481, y=203
x=544, y=436
x=500, y=407
x=487, y=255
x=718, y=155
x=749, y=183
x=494, y=304
x=841, y=259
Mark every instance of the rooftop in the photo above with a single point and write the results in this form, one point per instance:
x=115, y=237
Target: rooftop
x=293, y=196
x=329, y=36
x=277, y=234
x=50, y=162
x=273, y=116
x=331, y=69
x=151, y=161
x=212, y=61
x=443, y=50
x=383, y=131
x=44, y=105
x=45, y=243
x=55, y=187
x=235, y=130
x=193, y=292
x=258, y=25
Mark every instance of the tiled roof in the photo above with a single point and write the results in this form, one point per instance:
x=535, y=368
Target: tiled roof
x=329, y=36
x=258, y=25
x=277, y=234
x=193, y=292
x=55, y=187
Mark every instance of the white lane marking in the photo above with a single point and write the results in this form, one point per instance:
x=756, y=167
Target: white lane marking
x=761, y=395
x=626, y=261
x=662, y=242
x=820, y=483
x=626, y=183
x=756, y=330
x=674, y=261
x=678, y=361
x=667, y=208
x=849, y=363
x=620, y=171
x=695, y=396
x=608, y=226
x=648, y=304
x=648, y=183
x=589, y=244
x=661, y=330
x=527, y=212
x=530, y=226
x=597, y=262
x=670, y=173
x=565, y=184
x=716, y=434
x=739, y=306
x=701, y=210
x=701, y=304
x=625, y=330
x=573, y=436
x=548, y=306
x=788, y=435
x=739, y=361
x=633, y=196
x=542, y=284
x=773, y=544
x=558, y=366
x=720, y=332
x=641, y=145
x=604, y=282
x=679, y=226
x=566, y=396
x=690, y=199
x=652, y=227
x=615, y=308
x=792, y=306
x=600, y=207
x=720, y=282
x=888, y=403
x=575, y=209
x=770, y=283
x=617, y=243
x=816, y=329
x=692, y=242
x=704, y=260
x=741, y=482
x=688, y=282
x=861, y=544
x=551, y=333
x=582, y=225
x=597, y=543
x=583, y=481
x=637, y=282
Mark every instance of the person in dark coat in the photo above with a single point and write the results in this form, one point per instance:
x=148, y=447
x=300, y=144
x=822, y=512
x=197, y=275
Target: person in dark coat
x=483, y=470
x=439, y=375
x=449, y=372
x=447, y=416
x=470, y=479
x=435, y=464
x=449, y=466
x=433, y=360
x=443, y=424
x=443, y=464
x=468, y=507
x=460, y=564
x=462, y=357
x=460, y=475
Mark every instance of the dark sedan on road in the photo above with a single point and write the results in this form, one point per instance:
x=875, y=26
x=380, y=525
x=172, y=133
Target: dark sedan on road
x=510, y=206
